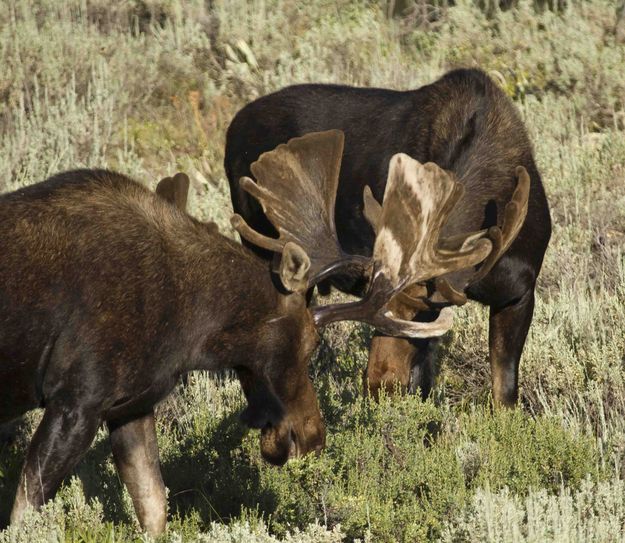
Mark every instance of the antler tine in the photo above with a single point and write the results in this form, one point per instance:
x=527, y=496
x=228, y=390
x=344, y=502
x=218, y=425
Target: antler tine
x=417, y=202
x=372, y=210
x=383, y=319
x=296, y=186
x=413, y=296
x=450, y=293
x=251, y=235
x=393, y=326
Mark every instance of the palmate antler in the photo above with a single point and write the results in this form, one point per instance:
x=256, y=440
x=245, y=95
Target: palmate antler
x=513, y=218
x=417, y=202
x=514, y=214
x=296, y=185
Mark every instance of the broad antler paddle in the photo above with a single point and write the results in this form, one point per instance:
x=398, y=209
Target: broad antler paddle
x=417, y=202
x=501, y=238
x=296, y=186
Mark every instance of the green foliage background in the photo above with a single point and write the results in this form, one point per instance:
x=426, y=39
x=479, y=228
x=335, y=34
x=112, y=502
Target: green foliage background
x=149, y=86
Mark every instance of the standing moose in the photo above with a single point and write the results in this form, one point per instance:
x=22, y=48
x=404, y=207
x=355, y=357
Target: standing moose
x=466, y=125
x=108, y=293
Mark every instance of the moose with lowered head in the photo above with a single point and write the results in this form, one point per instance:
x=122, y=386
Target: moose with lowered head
x=466, y=125
x=110, y=292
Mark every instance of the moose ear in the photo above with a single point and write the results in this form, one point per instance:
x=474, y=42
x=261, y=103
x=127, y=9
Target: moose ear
x=175, y=190
x=294, y=267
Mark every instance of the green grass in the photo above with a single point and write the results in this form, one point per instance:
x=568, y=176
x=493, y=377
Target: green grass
x=149, y=86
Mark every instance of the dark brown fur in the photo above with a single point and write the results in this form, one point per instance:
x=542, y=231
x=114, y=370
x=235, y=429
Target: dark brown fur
x=108, y=294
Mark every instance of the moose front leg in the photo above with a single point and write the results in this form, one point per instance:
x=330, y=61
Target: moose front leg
x=389, y=364
x=60, y=441
x=407, y=363
x=135, y=452
x=424, y=366
x=508, y=327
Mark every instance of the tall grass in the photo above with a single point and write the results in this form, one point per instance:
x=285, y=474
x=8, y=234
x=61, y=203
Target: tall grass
x=149, y=86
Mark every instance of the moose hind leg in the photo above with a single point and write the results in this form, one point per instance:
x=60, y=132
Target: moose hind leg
x=508, y=327
x=60, y=441
x=135, y=452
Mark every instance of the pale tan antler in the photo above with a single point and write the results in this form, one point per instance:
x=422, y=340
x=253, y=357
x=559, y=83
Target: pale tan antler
x=501, y=238
x=296, y=186
x=513, y=218
x=417, y=201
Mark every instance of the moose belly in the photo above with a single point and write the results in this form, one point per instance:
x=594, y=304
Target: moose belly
x=135, y=404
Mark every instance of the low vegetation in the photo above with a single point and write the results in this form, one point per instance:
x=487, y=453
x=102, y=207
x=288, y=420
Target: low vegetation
x=149, y=86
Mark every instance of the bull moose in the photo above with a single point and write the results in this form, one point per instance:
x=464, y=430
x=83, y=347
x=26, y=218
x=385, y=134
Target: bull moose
x=466, y=125
x=109, y=292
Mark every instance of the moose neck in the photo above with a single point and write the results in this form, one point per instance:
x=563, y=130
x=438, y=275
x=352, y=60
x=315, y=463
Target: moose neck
x=222, y=289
